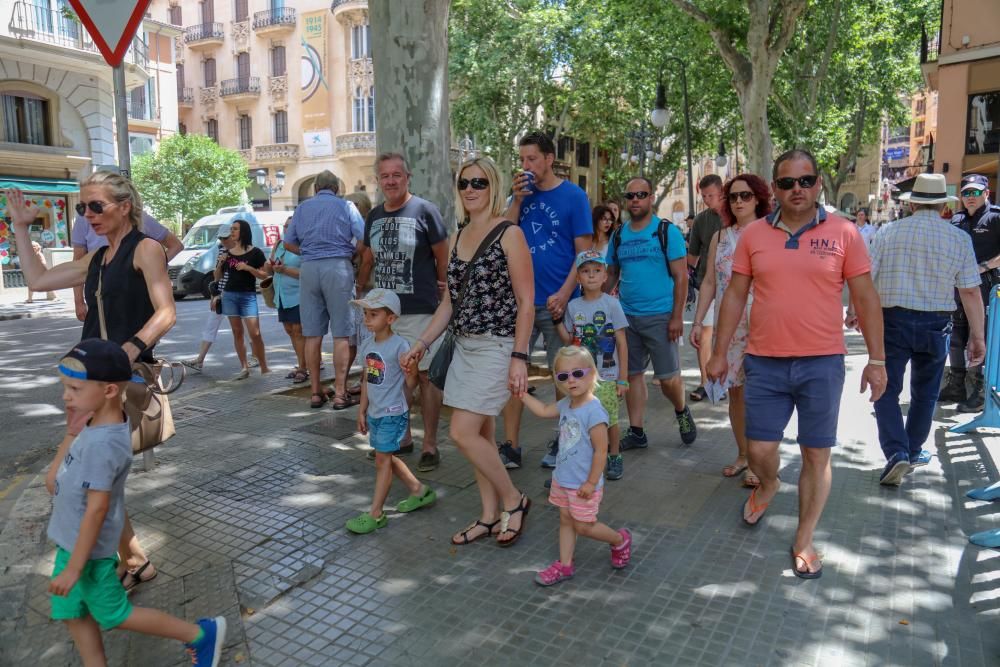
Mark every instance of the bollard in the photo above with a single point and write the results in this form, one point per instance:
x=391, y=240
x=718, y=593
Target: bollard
x=990, y=417
x=148, y=460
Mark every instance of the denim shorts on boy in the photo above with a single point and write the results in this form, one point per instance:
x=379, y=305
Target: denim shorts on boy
x=289, y=315
x=239, y=304
x=385, y=433
x=810, y=385
x=648, y=340
x=607, y=394
x=326, y=287
x=98, y=593
x=583, y=510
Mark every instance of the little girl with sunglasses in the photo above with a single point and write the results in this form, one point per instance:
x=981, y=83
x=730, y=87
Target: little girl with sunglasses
x=578, y=480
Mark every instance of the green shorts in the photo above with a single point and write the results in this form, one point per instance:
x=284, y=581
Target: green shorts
x=607, y=394
x=98, y=593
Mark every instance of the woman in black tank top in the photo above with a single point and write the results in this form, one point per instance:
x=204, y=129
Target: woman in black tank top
x=127, y=279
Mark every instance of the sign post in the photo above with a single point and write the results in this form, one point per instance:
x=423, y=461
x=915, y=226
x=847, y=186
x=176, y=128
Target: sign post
x=112, y=24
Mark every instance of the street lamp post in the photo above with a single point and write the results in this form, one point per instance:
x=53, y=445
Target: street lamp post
x=660, y=115
x=639, y=142
x=265, y=183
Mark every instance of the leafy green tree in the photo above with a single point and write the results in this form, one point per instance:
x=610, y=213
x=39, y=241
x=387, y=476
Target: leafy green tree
x=191, y=176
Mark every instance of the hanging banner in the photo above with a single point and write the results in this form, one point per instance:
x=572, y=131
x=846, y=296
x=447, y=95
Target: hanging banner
x=315, y=91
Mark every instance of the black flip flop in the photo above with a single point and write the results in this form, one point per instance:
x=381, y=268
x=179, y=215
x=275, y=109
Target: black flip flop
x=807, y=574
x=135, y=578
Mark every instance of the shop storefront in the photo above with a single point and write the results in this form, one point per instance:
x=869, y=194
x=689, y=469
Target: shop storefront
x=51, y=228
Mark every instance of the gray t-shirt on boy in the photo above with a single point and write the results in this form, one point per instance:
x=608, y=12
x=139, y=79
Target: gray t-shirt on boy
x=384, y=374
x=576, y=452
x=593, y=325
x=98, y=460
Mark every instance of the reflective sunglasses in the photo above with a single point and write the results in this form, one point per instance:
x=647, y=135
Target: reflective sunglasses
x=972, y=193
x=578, y=373
x=636, y=195
x=746, y=195
x=95, y=206
x=787, y=183
x=476, y=183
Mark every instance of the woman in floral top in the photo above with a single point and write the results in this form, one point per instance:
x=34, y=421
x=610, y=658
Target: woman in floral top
x=745, y=198
x=491, y=326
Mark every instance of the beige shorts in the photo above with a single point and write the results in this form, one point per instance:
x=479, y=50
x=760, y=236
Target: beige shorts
x=410, y=327
x=709, y=320
x=478, y=374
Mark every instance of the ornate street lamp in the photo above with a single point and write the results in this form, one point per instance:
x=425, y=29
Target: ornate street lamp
x=266, y=184
x=659, y=117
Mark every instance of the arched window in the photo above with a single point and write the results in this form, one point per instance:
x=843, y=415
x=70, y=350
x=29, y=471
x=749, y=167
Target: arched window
x=359, y=111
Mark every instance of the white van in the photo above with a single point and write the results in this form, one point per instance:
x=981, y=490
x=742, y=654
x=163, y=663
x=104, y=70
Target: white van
x=192, y=269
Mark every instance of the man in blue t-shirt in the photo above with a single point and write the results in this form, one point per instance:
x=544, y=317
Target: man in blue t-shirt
x=653, y=290
x=555, y=217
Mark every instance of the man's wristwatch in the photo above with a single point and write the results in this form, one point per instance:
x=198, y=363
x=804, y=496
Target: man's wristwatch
x=519, y=355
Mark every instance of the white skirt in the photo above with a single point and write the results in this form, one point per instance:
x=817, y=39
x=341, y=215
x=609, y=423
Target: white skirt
x=478, y=375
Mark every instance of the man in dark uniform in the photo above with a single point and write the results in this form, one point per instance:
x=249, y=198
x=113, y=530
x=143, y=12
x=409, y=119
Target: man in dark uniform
x=981, y=220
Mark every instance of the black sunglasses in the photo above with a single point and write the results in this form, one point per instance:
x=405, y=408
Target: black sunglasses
x=636, y=195
x=476, y=183
x=787, y=183
x=95, y=206
x=746, y=195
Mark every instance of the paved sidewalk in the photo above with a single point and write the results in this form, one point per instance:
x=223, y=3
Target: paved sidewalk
x=244, y=516
x=14, y=305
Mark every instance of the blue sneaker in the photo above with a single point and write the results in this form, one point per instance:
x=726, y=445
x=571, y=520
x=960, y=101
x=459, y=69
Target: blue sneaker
x=895, y=469
x=615, y=468
x=510, y=455
x=549, y=460
x=208, y=651
x=633, y=441
x=921, y=459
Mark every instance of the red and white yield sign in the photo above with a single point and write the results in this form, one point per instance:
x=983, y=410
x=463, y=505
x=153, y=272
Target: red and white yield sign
x=111, y=23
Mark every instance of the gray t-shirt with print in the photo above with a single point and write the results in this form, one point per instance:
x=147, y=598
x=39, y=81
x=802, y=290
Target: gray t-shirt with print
x=384, y=375
x=593, y=325
x=576, y=451
x=98, y=460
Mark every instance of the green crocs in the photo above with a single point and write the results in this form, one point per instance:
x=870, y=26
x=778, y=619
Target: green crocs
x=416, y=502
x=366, y=523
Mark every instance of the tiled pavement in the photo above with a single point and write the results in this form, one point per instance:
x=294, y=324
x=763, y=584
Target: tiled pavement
x=244, y=516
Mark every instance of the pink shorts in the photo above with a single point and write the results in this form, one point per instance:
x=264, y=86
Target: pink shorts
x=583, y=510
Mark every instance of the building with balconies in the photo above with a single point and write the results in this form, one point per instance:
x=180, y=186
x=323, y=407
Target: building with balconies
x=57, y=108
x=291, y=88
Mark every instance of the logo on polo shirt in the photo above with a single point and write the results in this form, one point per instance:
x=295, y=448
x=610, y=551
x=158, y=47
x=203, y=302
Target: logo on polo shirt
x=824, y=247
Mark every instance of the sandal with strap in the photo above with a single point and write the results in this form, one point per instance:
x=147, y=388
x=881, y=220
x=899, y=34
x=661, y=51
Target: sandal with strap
x=622, y=554
x=806, y=573
x=754, y=508
x=345, y=401
x=132, y=578
x=751, y=480
x=555, y=573
x=465, y=533
x=505, y=518
x=317, y=401
x=354, y=389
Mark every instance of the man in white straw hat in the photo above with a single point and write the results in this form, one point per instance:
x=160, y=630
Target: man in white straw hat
x=917, y=263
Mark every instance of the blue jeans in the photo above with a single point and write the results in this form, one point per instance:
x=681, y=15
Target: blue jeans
x=921, y=340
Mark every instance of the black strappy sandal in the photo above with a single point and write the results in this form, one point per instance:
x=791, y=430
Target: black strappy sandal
x=523, y=508
x=132, y=579
x=465, y=533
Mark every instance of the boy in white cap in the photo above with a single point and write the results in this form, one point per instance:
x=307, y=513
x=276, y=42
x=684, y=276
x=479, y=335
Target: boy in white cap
x=384, y=414
x=88, y=512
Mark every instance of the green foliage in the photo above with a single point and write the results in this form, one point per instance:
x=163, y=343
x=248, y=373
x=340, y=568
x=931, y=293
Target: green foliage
x=190, y=175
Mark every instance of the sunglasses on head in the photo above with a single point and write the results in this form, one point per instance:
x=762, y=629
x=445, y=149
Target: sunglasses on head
x=636, y=195
x=476, y=183
x=95, y=206
x=578, y=373
x=972, y=193
x=788, y=182
x=746, y=195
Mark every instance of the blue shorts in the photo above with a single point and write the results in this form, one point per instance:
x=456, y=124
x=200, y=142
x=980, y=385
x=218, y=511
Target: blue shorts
x=239, y=304
x=385, y=433
x=289, y=315
x=810, y=385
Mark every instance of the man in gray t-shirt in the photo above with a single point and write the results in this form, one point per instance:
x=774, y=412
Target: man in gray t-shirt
x=706, y=225
x=98, y=460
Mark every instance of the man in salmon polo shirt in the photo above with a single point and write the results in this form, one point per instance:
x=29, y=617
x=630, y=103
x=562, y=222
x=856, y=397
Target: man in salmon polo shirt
x=797, y=260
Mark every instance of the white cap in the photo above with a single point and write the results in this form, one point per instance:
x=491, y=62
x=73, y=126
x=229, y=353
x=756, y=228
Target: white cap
x=380, y=298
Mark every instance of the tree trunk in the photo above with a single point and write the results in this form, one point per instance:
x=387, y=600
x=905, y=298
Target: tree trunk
x=410, y=58
x=753, y=105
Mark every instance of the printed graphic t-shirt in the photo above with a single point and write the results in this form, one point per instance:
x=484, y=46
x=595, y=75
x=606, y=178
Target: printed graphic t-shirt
x=576, y=451
x=646, y=286
x=401, y=242
x=593, y=325
x=243, y=281
x=98, y=460
x=551, y=220
x=384, y=375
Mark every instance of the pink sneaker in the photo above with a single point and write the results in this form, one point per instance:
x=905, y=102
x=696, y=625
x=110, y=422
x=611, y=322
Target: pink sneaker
x=554, y=573
x=621, y=555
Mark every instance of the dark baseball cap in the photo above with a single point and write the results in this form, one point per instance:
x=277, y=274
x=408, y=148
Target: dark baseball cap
x=101, y=361
x=977, y=181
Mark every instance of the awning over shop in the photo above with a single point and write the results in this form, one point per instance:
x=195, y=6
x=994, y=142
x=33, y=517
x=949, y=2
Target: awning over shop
x=38, y=184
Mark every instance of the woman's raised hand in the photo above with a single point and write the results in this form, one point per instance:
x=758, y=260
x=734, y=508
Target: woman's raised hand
x=22, y=213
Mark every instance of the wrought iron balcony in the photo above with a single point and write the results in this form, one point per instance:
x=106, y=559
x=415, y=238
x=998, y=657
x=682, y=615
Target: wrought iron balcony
x=185, y=97
x=204, y=34
x=247, y=86
x=281, y=18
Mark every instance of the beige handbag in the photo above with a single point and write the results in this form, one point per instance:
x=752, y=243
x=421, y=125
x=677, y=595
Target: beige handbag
x=146, y=402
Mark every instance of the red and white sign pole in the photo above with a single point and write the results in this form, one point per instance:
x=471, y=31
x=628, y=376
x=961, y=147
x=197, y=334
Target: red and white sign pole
x=112, y=24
